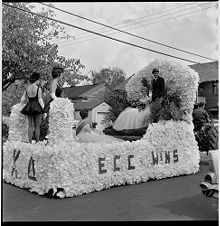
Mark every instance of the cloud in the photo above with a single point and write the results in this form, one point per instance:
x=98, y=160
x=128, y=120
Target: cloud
x=194, y=32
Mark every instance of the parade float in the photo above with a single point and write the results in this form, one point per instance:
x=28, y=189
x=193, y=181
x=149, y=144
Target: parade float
x=66, y=168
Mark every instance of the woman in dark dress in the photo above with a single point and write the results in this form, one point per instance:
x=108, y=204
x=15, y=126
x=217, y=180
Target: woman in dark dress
x=34, y=108
x=55, y=89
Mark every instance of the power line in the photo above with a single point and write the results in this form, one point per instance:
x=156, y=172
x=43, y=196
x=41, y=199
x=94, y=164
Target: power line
x=147, y=24
x=133, y=20
x=127, y=25
x=118, y=40
x=121, y=23
x=83, y=41
x=128, y=33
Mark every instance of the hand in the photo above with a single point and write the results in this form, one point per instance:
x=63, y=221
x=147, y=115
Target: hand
x=44, y=115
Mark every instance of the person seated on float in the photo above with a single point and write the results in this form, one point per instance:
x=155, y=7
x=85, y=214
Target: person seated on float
x=85, y=134
x=200, y=116
x=136, y=116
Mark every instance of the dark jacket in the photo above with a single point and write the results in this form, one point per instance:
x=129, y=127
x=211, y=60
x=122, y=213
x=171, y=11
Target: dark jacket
x=200, y=115
x=157, y=88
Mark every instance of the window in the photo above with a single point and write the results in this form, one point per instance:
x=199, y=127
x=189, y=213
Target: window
x=215, y=88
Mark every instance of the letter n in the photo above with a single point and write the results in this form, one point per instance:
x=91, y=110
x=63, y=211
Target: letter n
x=155, y=159
x=31, y=170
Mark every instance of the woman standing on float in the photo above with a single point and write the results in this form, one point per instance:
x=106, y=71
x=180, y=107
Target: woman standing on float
x=55, y=89
x=34, y=108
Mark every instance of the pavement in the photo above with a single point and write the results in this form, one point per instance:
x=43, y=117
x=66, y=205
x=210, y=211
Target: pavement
x=204, y=158
x=176, y=198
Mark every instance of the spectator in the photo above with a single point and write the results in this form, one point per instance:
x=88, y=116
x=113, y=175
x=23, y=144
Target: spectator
x=200, y=116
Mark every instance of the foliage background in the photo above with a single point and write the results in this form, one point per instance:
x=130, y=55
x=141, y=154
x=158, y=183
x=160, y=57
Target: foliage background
x=26, y=48
x=111, y=76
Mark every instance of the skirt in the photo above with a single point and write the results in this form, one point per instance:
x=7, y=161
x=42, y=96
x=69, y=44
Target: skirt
x=32, y=108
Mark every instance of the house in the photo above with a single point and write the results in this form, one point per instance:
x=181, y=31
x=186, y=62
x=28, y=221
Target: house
x=98, y=109
x=208, y=85
x=90, y=97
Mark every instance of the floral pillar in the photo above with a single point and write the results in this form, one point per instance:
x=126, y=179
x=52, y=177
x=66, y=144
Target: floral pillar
x=60, y=121
x=18, y=125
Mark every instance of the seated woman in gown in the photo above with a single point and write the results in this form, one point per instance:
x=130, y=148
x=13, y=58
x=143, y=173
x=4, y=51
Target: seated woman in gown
x=133, y=117
x=85, y=134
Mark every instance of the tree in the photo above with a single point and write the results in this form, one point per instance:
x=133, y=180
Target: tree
x=111, y=76
x=26, y=47
x=117, y=99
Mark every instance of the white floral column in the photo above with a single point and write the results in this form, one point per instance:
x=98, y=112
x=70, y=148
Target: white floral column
x=60, y=121
x=18, y=124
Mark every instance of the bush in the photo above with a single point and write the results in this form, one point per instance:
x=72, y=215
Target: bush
x=167, y=107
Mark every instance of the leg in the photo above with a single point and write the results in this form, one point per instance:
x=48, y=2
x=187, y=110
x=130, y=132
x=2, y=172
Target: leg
x=30, y=127
x=38, y=120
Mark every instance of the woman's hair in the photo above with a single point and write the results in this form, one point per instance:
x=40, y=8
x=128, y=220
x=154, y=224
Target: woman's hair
x=56, y=73
x=83, y=113
x=34, y=77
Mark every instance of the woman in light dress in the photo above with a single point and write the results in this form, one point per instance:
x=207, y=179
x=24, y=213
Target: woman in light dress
x=85, y=134
x=134, y=118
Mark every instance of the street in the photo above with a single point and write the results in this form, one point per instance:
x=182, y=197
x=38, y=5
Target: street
x=177, y=198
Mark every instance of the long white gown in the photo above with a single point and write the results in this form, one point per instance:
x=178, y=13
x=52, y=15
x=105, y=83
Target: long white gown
x=86, y=135
x=132, y=118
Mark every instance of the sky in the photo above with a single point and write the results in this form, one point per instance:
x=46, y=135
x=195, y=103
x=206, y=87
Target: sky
x=196, y=32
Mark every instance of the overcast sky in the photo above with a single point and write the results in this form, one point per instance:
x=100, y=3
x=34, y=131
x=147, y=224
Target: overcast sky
x=195, y=32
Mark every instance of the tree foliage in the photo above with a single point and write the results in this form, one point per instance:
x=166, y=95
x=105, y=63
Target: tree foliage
x=111, y=76
x=118, y=101
x=26, y=47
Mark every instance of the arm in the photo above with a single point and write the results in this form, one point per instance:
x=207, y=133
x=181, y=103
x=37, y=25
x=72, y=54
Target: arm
x=23, y=97
x=87, y=128
x=53, y=90
x=207, y=117
x=40, y=99
x=161, y=86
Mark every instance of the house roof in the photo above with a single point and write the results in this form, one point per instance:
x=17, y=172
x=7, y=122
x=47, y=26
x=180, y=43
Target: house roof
x=87, y=105
x=207, y=71
x=78, y=91
x=122, y=85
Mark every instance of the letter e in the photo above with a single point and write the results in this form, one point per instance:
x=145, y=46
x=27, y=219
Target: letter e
x=101, y=165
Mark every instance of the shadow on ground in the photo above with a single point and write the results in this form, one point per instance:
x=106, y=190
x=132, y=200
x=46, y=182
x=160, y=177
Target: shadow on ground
x=184, y=207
